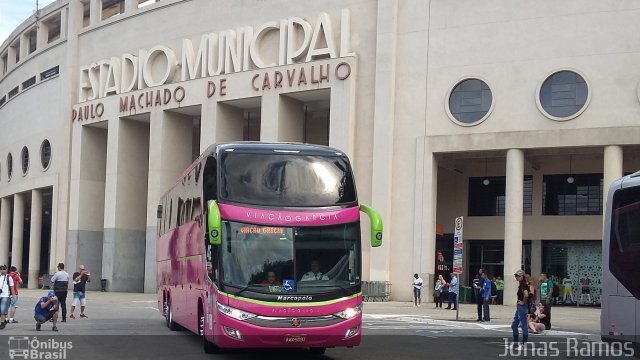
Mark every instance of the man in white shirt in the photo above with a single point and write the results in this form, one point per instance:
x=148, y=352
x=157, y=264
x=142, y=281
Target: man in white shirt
x=315, y=273
x=7, y=296
x=417, y=288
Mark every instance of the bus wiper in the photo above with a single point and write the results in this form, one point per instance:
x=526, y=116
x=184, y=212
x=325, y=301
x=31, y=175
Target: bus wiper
x=242, y=289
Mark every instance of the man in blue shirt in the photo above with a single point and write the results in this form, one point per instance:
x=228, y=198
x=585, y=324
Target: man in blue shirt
x=47, y=309
x=453, y=292
x=486, y=295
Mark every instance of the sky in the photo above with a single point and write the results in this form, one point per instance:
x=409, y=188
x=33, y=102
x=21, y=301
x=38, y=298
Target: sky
x=14, y=12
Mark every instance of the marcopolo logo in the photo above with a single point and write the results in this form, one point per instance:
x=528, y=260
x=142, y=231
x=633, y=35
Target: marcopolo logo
x=24, y=347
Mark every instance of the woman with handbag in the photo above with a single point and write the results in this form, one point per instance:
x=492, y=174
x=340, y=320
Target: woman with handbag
x=438, y=290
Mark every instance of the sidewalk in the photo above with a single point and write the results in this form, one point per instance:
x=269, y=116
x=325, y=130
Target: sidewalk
x=585, y=320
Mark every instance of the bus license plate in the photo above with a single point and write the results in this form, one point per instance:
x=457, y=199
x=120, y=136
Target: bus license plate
x=295, y=339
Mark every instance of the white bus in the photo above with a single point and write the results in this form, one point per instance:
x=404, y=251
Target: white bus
x=620, y=319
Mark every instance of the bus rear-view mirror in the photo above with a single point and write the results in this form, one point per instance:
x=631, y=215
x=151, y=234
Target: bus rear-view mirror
x=214, y=224
x=376, y=224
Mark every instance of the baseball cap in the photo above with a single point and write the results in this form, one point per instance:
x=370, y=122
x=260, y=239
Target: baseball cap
x=520, y=272
x=3, y=266
x=51, y=293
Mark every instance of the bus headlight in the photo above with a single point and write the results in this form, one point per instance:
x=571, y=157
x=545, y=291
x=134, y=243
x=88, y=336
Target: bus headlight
x=349, y=313
x=235, y=313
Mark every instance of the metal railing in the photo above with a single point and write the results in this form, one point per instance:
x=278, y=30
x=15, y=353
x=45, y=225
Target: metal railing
x=376, y=291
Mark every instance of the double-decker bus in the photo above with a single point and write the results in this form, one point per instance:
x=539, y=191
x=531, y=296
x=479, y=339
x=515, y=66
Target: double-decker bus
x=620, y=317
x=259, y=246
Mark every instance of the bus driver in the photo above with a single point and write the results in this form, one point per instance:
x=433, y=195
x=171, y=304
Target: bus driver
x=315, y=273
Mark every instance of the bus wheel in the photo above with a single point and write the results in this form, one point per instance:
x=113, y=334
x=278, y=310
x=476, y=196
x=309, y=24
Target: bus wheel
x=209, y=347
x=317, y=350
x=172, y=325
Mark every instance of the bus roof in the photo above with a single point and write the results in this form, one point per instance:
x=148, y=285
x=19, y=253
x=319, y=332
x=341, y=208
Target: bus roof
x=631, y=180
x=255, y=147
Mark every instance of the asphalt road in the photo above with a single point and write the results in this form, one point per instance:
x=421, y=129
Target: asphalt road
x=128, y=326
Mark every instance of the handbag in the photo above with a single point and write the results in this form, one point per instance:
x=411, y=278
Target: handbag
x=436, y=293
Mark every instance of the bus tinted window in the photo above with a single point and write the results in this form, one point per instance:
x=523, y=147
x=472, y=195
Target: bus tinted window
x=286, y=180
x=625, y=238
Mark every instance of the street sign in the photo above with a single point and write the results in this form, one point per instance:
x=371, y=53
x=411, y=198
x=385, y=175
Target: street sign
x=457, y=246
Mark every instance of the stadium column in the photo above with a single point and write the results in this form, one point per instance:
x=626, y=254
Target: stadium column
x=382, y=142
x=342, y=116
x=613, y=169
x=613, y=160
x=95, y=12
x=35, y=241
x=220, y=123
x=86, y=199
x=24, y=47
x=425, y=206
x=18, y=230
x=5, y=230
x=170, y=153
x=42, y=34
x=281, y=118
x=130, y=6
x=513, y=222
x=127, y=172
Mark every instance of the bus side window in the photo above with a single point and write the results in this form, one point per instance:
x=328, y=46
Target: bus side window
x=210, y=180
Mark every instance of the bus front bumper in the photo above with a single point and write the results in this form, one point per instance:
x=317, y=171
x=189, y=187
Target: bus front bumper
x=232, y=333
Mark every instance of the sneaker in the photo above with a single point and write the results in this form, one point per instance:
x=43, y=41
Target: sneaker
x=448, y=308
x=38, y=325
x=72, y=316
x=516, y=346
x=55, y=328
x=12, y=321
x=64, y=320
x=85, y=316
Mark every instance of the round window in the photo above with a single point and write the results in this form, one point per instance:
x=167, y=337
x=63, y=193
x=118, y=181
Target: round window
x=9, y=166
x=24, y=160
x=470, y=102
x=45, y=154
x=563, y=95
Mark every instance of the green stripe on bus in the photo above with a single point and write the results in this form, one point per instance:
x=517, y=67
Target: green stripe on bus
x=261, y=302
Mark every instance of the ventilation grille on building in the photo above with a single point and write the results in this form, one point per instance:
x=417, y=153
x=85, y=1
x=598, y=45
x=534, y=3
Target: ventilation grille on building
x=13, y=92
x=50, y=73
x=29, y=82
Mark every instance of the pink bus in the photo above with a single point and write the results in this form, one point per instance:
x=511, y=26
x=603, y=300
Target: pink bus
x=259, y=246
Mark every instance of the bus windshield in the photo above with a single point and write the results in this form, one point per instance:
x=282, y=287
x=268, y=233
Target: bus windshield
x=290, y=260
x=286, y=179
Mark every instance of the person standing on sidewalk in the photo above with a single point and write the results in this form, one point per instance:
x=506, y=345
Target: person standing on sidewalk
x=486, y=295
x=6, y=295
x=477, y=292
x=17, y=281
x=546, y=294
x=520, y=317
x=453, y=292
x=80, y=279
x=438, y=290
x=417, y=288
x=499, y=289
x=60, y=283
